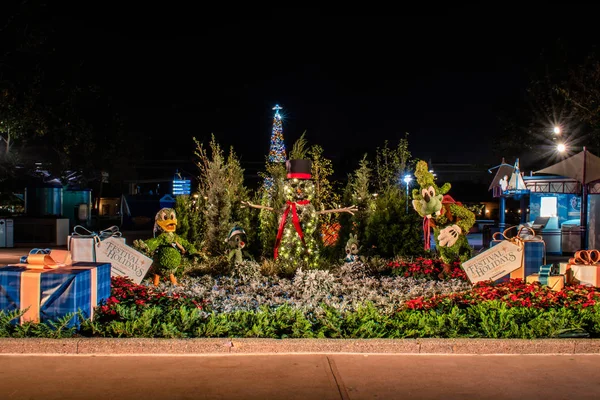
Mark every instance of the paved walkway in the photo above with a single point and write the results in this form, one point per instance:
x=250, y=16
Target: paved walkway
x=309, y=376
x=248, y=346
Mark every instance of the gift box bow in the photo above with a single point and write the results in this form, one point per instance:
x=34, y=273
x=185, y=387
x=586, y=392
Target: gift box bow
x=586, y=257
x=546, y=271
x=520, y=238
x=80, y=231
x=45, y=259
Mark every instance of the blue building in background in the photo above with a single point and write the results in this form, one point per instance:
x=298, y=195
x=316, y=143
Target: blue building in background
x=552, y=206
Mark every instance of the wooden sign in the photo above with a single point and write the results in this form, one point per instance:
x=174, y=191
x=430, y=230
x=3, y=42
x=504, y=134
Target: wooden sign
x=494, y=263
x=124, y=260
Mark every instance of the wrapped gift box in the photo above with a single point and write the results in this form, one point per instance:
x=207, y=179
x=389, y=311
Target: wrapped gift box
x=555, y=282
x=51, y=294
x=535, y=256
x=565, y=269
x=588, y=275
x=82, y=242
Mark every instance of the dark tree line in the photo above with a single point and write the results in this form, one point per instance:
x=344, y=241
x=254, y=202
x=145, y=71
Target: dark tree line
x=53, y=111
x=563, y=91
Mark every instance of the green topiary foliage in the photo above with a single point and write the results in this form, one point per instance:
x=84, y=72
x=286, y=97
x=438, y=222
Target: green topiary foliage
x=166, y=248
x=450, y=220
x=221, y=187
x=168, y=255
x=268, y=221
x=391, y=231
x=299, y=150
x=292, y=252
x=358, y=192
x=189, y=218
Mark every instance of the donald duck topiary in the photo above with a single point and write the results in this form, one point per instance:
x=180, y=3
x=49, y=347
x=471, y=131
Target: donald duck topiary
x=450, y=220
x=167, y=248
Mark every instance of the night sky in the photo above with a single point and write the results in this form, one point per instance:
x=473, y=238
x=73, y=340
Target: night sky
x=445, y=76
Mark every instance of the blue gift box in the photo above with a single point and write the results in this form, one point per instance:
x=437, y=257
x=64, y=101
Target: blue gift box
x=77, y=287
x=534, y=257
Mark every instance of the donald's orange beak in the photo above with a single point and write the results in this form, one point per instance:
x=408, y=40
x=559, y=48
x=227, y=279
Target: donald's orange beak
x=168, y=225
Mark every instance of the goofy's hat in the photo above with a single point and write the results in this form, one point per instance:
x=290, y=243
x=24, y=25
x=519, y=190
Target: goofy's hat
x=299, y=169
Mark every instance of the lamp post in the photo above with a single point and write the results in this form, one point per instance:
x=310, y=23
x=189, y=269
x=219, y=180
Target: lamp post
x=407, y=179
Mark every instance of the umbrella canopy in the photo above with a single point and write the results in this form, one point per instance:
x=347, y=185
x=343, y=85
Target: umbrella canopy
x=583, y=167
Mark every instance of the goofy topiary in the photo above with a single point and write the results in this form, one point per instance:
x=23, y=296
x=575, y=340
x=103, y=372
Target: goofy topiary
x=449, y=219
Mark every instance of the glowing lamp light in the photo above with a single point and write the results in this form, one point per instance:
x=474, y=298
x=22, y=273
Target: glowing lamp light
x=407, y=179
x=557, y=130
x=561, y=148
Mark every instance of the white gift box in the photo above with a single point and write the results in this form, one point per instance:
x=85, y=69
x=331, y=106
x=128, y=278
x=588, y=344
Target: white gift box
x=83, y=248
x=81, y=243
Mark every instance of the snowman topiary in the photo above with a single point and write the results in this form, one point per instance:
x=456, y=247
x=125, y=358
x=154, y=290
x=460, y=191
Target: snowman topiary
x=296, y=241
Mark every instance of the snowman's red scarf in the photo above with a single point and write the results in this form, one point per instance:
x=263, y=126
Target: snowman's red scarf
x=291, y=205
x=428, y=223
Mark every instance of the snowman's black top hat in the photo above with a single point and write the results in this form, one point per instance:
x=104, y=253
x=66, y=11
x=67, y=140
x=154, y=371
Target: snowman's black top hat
x=298, y=169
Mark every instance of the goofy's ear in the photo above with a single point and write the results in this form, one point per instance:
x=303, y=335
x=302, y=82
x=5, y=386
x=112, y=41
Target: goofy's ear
x=445, y=188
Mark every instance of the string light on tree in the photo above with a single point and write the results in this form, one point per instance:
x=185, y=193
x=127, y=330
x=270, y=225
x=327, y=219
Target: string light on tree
x=277, y=151
x=295, y=242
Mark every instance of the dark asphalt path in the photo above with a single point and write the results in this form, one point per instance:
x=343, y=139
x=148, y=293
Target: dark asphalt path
x=301, y=376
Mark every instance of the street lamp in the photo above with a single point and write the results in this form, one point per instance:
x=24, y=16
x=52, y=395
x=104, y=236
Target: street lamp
x=561, y=148
x=557, y=130
x=407, y=179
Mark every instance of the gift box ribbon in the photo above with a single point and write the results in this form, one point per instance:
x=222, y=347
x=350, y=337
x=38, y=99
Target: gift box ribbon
x=546, y=271
x=515, y=240
x=518, y=239
x=45, y=259
x=586, y=257
x=113, y=231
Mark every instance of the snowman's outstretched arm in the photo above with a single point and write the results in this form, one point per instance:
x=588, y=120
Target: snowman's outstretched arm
x=247, y=203
x=349, y=210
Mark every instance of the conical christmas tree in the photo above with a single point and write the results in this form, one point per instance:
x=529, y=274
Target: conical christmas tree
x=277, y=151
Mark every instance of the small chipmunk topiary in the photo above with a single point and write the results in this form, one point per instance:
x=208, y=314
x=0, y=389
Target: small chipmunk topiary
x=236, y=242
x=352, y=249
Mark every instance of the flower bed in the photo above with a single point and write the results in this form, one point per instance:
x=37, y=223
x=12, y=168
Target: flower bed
x=350, y=303
x=346, y=303
x=427, y=268
x=514, y=293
